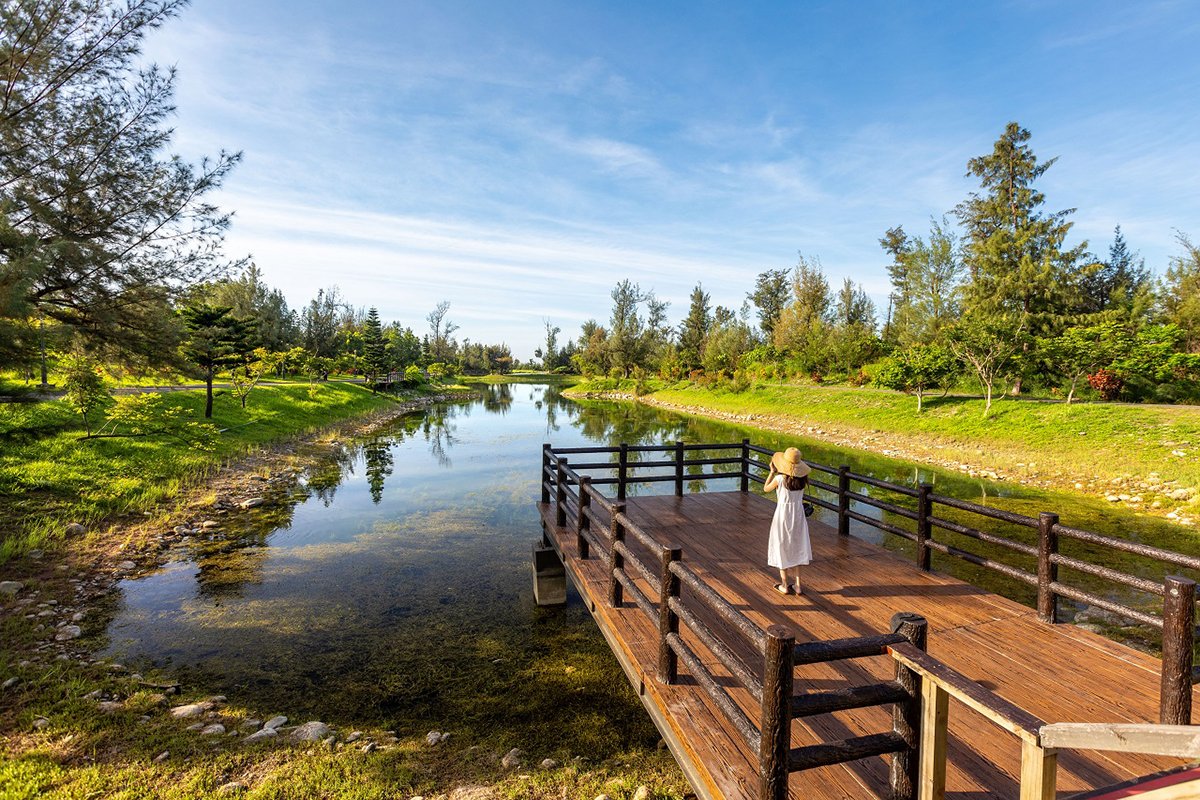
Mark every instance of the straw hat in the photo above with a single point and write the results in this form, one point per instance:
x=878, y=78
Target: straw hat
x=789, y=463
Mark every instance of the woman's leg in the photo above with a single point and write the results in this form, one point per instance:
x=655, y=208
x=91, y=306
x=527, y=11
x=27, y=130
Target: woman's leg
x=795, y=578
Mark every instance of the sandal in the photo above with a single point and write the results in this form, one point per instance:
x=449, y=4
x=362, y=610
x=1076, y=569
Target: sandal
x=783, y=588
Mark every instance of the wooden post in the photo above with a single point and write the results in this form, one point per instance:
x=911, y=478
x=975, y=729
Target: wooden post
x=843, y=500
x=1039, y=767
x=1047, y=569
x=616, y=533
x=924, y=507
x=906, y=716
x=668, y=621
x=935, y=718
x=745, y=465
x=583, y=522
x=775, y=724
x=679, y=469
x=545, y=482
x=1179, y=633
x=560, y=492
x=622, y=471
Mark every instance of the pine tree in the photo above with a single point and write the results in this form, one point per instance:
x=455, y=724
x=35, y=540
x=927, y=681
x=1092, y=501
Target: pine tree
x=1181, y=292
x=214, y=339
x=1116, y=282
x=694, y=330
x=771, y=292
x=1014, y=251
x=926, y=275
x=376, y=359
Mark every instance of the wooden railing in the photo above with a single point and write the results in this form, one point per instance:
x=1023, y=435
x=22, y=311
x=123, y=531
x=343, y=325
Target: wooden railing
x=922, y=687
x=919, y=513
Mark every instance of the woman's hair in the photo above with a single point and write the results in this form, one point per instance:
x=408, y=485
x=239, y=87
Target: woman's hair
x=795, y=484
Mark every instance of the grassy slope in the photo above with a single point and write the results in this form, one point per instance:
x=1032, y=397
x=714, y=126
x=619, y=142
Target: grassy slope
x=49, y=477
x=1092, y=443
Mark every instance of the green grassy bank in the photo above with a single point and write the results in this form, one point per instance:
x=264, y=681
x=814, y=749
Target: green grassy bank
x=50, y=477
x=1101, y=448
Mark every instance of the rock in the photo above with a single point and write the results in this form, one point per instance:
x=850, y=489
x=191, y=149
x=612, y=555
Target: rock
x=209, y=524
x=11, y=587
x=190, y=710
x=67, y=632
x=126, y=566
x=370, y=748
x=310, y=731
x=548, y=763
x=251, y=724
x=215, y=729
x=472, y=793
x=353, y=737
x=230, y=789
x=275, y=722
x=1180, y=494
x=1087, y=626
x=195, y=726
x=110, y=706
x=75, y=529
x=512, y=758
x=36, y=555
x=40, y=723
x=253, y=502
x=258, y=736
x=642, y=793
x=78, y=616
x=161, y=757
x=11, y=682
x=433, y=737
x=602, y=797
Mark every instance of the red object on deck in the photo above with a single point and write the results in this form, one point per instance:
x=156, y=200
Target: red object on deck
x=1149, y=786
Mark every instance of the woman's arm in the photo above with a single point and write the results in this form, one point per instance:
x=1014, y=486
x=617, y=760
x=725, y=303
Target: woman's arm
x=771, y=482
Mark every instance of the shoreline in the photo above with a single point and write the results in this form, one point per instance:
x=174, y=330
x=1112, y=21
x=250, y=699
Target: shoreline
x=1123, y=492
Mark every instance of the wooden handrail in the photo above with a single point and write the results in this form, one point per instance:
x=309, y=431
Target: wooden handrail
x=1181, y=741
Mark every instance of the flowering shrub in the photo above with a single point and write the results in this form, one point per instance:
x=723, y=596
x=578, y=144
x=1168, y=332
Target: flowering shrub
x=1107, y=383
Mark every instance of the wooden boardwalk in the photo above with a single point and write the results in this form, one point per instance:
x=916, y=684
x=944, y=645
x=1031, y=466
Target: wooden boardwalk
x=1059, y=673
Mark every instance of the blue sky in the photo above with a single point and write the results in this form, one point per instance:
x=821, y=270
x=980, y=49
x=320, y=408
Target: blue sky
x=519, y=158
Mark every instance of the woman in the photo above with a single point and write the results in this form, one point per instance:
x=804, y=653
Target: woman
x=788, y=547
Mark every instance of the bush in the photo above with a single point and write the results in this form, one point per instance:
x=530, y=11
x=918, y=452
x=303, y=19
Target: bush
x=1107, y=383
x=414, y=375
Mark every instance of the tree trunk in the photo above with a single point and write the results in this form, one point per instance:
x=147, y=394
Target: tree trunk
x=919, y=396
x=1016, y=387
x=1071, y=394
x=208, y=382
x=988, y=405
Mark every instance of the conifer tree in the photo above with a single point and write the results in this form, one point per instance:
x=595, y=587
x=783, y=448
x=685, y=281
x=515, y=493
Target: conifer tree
x=694, y=330
x=376, y=360
x=214, y=340
x=1019, y=268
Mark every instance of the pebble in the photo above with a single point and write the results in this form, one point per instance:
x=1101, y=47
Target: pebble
x=195, y=726
x=354, y=737
x=231, y=788
x=209, y=524
x=110, y=706
x=275, y=722
x=310, y=731
x=40, y=723
x=433, y=737
x=75, y=529
x=191, y=710
x=253, y=502
x=549, y=763
x=251, y=724
x=370, y=748
x=11, y=587
x=512, y=758
x=68, y=632
x=161, y=757
x=125, y=566
x=642, y=793
x=212, y=730
x=11, y=682
x=258, y=736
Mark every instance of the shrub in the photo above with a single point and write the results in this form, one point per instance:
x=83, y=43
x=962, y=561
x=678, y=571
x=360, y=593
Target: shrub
x=1107, y=383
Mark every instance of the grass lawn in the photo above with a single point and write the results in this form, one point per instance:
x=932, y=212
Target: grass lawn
x=1092, y=443
x=49, y=477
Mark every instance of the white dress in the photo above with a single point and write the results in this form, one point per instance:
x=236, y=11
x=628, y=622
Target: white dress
x=788, y=544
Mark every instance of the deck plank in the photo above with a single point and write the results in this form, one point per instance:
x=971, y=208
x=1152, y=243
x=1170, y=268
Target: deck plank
x=1060, y=673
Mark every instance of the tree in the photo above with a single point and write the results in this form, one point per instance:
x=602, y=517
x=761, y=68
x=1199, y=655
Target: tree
x=1116, y=282
x=1019, y=270
x=853, y=341
x=273, y=325
x=694, y=330
x=245, y=375
x=214, y=340
x=320, y=323
x=771, y=292
x=926, y=277
x=551, y=356
x=404, y=345
x=85, y=391
x=1080, y=350
x=376, y=361
x=1181, y=292
x=99, y=229
x=803, y=328
x=440, y=329
x=917, y=370
x=626, y=338
x=379, y=464
x=988, y=346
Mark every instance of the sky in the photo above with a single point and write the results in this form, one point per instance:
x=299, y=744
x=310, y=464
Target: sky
x=519, y=158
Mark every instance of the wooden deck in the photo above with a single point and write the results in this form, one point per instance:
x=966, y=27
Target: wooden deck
x=1059, y=673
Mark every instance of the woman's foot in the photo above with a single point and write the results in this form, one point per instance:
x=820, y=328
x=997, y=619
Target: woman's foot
x=797, y=589
x=783, y=588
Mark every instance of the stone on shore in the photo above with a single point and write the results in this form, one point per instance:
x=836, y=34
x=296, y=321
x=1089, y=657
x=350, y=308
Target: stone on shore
x=258, y=736
x=310, y=731
x=212, y=730
x=253, y=502
x=11, y=587
x=512, y=758
x=67, y=632
x=75, y=529
x=275, y=722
